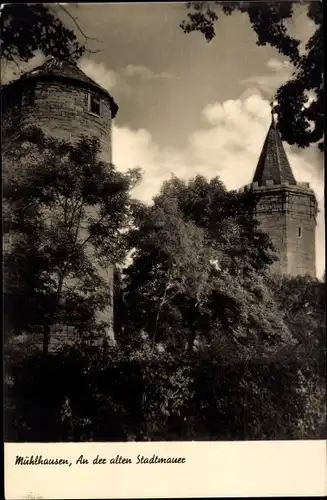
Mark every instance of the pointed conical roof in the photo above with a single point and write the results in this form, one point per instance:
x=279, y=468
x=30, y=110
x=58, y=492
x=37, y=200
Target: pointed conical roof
x=273, y=164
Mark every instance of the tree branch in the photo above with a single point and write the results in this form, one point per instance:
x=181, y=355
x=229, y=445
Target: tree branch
x=77, y=25
x=91, y=235
x=163, y=299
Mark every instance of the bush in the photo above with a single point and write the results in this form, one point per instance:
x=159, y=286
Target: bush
x=270, y=400
x=108, y=395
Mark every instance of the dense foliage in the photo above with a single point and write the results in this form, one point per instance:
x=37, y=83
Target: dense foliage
x=269, y=21
x=210, y=346
x=27, y=28
x=146, y=395
x=198, y=271
x=64, y=215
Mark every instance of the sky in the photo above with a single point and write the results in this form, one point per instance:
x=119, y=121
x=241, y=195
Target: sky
x=186, y=106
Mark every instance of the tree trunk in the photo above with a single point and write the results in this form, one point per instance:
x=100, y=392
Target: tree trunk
x=190, y=343
x=46, y=339
x=52, y=320
x=191, y=317
x=162, y=302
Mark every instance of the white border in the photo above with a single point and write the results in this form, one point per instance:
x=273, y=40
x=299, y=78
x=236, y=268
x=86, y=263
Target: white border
x=237, y=469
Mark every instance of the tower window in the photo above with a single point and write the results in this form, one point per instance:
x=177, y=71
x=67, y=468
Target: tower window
x=299, y=232
x=94, y=105
x=29, y=96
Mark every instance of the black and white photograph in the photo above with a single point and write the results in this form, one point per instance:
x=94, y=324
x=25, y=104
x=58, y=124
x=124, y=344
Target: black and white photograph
x=163, y=222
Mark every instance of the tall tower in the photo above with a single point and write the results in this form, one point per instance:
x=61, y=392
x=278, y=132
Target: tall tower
x=286, y=209
x=65, y=103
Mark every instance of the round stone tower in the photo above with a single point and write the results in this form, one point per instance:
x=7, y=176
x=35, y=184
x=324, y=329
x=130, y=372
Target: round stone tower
x=286, y=209
x=65, y=103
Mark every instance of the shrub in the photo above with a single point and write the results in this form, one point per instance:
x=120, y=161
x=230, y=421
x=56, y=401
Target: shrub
x=107, y=395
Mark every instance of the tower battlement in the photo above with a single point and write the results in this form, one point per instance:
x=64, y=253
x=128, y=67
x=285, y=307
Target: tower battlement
x=254, y=186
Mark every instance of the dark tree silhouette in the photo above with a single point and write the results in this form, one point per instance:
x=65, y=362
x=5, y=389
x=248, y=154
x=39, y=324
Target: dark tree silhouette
x=299, y=121
x=63, y=217
x=26, y=28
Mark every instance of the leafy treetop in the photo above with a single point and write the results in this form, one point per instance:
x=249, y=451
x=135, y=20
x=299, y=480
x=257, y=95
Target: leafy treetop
x=27, y=28
x=65, y=212
x=198, y=273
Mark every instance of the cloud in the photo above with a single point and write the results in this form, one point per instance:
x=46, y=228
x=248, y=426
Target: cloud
x=144, y=73
x=279, y=72
x=300, y=26
x=229, y=147
x=106, y=78
x=99, y=73
x=278, y=64
x=118, y=80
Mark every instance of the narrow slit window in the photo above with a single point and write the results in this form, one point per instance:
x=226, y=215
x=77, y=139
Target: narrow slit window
x=299, y=232
x=94, y=105
x=29, y=96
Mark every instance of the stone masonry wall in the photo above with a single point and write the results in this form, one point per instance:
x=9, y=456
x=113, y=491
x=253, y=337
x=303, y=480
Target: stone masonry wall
x=61, y=110
x=274, y=224
x=301, y=230
x=288, y=217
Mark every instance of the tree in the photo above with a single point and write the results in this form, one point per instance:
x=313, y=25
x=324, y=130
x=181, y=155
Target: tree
x=228, y=219
x=27, y=28
x=198, y=273
x=207, y=350
x=302, y=300
x=170, y=259
x=299, y=121
x=65, y=212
